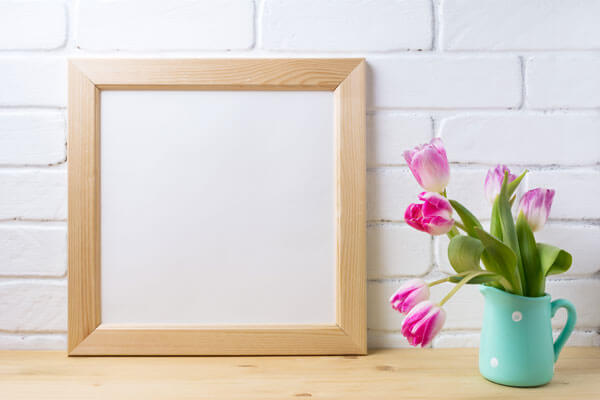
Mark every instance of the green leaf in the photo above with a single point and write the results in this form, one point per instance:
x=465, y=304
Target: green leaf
x=464, y=253
x=512, y=186
x=509, y=233
x=534, y=276
x=468, y=219
x=554, y=260
x=499, y=258
x=495, y=227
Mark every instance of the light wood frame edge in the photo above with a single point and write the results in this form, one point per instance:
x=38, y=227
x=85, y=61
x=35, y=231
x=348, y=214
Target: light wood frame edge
x=86, y=334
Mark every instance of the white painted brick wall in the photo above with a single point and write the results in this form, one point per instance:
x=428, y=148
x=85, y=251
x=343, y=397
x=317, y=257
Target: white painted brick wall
x=33, y=249
x=428, y=81
x=33, y=81
x=33, y=194
x=389, y=134
x=393, y=250
x=165, y=25
x=568, y=139
x=347, y=25
x=577, y=191
x=32, y=138
x=563, y=81
x=514, y=81
x=33, y=305
x=520, y=24
x=32, y=25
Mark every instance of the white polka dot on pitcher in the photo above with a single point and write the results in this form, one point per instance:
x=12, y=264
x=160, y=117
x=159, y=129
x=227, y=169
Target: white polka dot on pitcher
x=494, y=362
x=517, y=316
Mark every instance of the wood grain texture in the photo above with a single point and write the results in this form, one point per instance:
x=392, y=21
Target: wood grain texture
x=84, y=207
x=87, y=77
x=351, y=168
x=449, y=374
x=218, y=74
x=217, y=340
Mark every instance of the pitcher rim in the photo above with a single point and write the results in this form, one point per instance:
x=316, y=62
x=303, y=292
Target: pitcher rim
x=545, y=297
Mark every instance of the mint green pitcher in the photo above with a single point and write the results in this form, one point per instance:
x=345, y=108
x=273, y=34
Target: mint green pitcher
x=516, y=346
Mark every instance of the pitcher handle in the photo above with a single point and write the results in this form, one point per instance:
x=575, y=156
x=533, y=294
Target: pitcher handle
x=571, y=319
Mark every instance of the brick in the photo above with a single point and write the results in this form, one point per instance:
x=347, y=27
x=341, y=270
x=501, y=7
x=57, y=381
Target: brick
x=466, y=186
x=560, y=139
x=33, y=81
x=346, y=25
x=140, y=25
x=33, y=25
x=585, y=296
x=581, y=240
x=46, y=341
x=385, y=340
x=33, y=194
x=389, y=192
x=581, y=338
x=395, y=250
x=33, y=305
x=432, y=81
x=577, y=191
x=471, y=339
x=520, y=24
x=390, y=134
x=456, y=339
x=32, y=138
x=440, y=244
x=38, y=250
x=565, y=81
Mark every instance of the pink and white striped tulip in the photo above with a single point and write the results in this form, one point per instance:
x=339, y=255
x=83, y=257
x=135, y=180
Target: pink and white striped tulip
x=422, y=323
x=409, y=295
x=493, y=181
x=429, y=164
x=536, y=205
x=433, y=216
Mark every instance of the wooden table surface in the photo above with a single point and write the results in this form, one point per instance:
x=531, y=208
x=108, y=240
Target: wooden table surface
x=383, y=374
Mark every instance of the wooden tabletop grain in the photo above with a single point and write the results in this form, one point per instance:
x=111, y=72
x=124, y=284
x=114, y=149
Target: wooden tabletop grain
x=383, y=374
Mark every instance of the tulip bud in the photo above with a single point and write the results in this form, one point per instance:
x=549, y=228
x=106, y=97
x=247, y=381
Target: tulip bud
x=422, y=323
x=493, y=181
x=409, y=295
x=429, y=164
x=434, y=216
x=535, y=205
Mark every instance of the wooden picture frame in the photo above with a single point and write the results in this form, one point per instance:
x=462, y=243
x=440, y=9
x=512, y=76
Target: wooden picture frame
x=87, y=335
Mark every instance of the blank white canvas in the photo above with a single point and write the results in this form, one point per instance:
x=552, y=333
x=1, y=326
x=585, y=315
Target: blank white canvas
x=217, y=207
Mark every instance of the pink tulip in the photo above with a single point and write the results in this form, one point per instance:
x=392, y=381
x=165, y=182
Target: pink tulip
x=536, y=205
x=493, y=181
x=409, y=295
x=429, y=165
x=434, y=216
x=422, y=323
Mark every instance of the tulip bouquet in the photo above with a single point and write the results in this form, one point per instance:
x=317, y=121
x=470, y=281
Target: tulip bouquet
x=507, y=257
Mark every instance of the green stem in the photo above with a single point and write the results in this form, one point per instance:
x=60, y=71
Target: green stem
x=461, y=226
x=438, y=282
x=461, y=284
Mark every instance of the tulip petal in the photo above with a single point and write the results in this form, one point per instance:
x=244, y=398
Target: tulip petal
x=429, y=165
x=434, y=216
x=423, y=323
